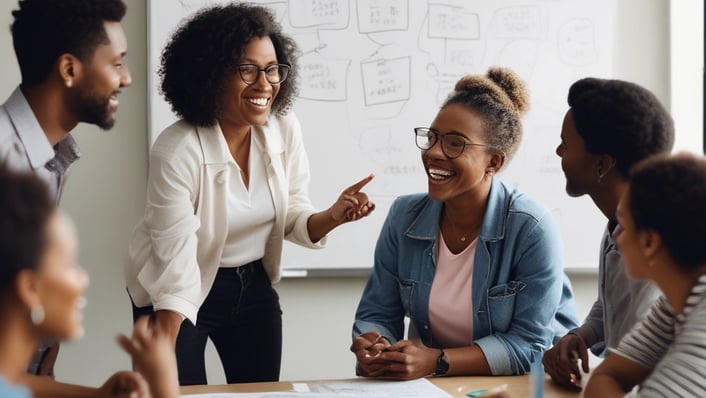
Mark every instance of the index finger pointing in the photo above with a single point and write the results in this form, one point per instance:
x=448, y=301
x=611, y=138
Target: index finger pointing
x=360, y=184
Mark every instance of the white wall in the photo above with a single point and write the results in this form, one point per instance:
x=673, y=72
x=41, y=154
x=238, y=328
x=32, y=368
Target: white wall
x=105, y=196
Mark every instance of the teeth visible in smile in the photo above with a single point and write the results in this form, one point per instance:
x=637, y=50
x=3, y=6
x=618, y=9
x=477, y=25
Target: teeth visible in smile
x=258, y=101
x=440, y=173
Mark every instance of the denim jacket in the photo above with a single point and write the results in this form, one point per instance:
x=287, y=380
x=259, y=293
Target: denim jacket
x=522, y=300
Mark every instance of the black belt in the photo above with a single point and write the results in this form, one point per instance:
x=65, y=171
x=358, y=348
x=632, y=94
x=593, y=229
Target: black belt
x=248, y=268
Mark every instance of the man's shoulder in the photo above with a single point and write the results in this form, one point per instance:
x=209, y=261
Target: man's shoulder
x=10, y=142
x=7, y=129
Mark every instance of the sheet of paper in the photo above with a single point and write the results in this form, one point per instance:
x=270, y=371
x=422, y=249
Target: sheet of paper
x=382, y=389
x=420, y=388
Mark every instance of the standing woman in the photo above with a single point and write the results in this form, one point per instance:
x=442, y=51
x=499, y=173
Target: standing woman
x=476, y=265
x=662, y=224
x=227, y=184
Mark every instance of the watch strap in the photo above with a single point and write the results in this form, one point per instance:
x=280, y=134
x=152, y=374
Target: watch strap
x=442, y=364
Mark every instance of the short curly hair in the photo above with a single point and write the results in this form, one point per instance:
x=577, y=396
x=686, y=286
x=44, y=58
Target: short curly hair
x=501, y=99
x=25, y=209
x=204, y=53
x=621, y=119
x=667, y=194
x=44, y=30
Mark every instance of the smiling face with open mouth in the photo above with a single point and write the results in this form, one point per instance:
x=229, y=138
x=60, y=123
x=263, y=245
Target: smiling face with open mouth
x=246, y=105
x=94, y=98
x=467, y=173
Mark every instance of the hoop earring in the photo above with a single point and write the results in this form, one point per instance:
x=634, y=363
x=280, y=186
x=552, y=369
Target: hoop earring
x=36, y=315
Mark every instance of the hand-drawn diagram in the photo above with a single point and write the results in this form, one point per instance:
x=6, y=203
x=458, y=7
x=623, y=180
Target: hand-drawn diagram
x=372, y=70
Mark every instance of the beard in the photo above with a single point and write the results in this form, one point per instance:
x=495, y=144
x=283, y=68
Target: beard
x=94, y=109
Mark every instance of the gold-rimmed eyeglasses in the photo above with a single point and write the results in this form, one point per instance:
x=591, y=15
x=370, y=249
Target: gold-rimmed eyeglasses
x=452, y=144
x=274, y=74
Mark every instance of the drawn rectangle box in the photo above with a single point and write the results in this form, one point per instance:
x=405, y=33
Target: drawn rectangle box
x=447, y=22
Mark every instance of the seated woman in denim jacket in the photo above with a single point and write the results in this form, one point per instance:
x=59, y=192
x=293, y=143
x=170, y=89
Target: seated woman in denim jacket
x=475, y=264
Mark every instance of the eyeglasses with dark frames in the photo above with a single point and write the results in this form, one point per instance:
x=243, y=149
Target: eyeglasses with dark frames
x=274, y=74
x=452, y=144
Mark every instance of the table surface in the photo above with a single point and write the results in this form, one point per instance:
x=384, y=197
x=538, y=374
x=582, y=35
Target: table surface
x=517, y=386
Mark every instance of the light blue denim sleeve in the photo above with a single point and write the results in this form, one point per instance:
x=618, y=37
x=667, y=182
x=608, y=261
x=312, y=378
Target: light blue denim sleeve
x=530, y=302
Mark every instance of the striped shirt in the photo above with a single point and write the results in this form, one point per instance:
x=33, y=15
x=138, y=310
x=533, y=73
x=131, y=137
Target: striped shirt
x=673, y=346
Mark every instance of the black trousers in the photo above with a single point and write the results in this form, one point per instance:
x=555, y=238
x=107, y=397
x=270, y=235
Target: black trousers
x=243, y=318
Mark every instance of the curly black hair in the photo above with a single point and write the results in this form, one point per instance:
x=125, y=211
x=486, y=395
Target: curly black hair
x=44, y=30
x=203, y=53
x=667, y=194
x=25, y=209
x=500, y=98
x=621, y=119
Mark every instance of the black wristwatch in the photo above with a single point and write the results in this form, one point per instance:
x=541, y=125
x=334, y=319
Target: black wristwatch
x=442, y=364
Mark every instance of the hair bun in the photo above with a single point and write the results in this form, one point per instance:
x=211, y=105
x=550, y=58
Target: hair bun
x=513, y=87
x=501, y=83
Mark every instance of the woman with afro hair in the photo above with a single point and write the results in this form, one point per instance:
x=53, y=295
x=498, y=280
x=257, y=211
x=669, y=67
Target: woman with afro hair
x=476, y=265
x=227, y=184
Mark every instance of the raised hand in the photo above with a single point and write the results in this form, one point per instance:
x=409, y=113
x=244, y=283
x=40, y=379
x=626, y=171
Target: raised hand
x=152, y=353
x=353, y=204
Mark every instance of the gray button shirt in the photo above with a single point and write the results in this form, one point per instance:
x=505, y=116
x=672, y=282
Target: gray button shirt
x=24, y=146
x=622, y=301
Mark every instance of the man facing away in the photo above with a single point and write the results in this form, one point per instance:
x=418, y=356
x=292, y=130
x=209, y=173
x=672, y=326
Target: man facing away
x=71, y=58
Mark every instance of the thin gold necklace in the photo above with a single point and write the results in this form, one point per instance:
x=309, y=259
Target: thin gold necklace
x=459, y=231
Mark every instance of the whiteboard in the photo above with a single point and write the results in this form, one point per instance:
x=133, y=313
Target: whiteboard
x=374, y=69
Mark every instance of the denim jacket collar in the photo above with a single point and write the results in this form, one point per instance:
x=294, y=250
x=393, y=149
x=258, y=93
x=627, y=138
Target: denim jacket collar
x=426, y=225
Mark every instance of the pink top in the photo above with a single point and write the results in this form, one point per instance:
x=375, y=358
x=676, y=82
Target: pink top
x=450, y=304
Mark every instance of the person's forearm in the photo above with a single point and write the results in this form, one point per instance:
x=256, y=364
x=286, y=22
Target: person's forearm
x=45, y=387
x=166, y=385
x=169, y=322
x=587, y=334
x=603, y=386
x=320, y=224
x=467, y=361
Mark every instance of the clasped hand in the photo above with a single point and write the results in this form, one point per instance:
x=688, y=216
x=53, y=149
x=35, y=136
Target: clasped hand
x=561, y=361
x=352, y=204
x=404, y=360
